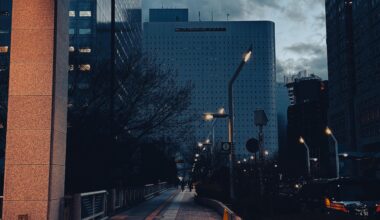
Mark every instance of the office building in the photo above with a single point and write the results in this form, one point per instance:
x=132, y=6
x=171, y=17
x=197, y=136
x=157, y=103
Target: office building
x=91, y=47
x=282, y=104
x=307, y=118
x=207, y=55
x=353, y=39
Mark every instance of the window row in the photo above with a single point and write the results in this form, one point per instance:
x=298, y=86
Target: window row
x=81, y=14
x=81, y=50
x=4, y=49
x=82, y=31
x=81, y=67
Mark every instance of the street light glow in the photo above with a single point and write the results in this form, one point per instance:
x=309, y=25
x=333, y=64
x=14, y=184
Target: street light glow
x=245, y=160
x=221, y=111
x=301, y=140
x=200, y=144
x=328, y=131
x=345, y=154
x=207, y=141
x=196, y=155
x=247, y=56
x=266, y=153
x=314, y=159
x=208, y=117
x=252, y=157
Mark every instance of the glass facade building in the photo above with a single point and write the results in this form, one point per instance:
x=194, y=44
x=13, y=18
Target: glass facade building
x=353, y=46
x=207, y=54
x=90, y=39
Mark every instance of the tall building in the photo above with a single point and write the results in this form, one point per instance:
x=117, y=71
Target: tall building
x=307, y=118
x=5, y=40
x=282, y=104
x=90, y=40
x=207, y=54
x=353, y=41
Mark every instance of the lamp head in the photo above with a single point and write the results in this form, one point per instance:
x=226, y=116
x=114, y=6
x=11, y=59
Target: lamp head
x=301, y=140
x=328, y=131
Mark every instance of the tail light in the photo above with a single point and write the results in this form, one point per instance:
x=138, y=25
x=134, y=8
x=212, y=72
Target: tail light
x=378, y=208
x=335, y=206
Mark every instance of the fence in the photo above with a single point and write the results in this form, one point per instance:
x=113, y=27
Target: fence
x=99, y=205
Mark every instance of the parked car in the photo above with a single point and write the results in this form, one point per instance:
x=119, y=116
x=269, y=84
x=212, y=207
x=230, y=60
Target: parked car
x=344, y=198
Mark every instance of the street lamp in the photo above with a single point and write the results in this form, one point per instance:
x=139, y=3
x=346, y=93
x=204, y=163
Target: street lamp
x=302, y=141
x=330, y=133
x=247, y=55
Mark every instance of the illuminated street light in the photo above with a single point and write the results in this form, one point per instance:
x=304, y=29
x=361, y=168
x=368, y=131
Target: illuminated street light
x=245, y=160
x=314, y=159
x=252, y=157
x=208, y=117
x=196, y=155
x=345, y=154
x=200, y=144
x=331, y=134
x=247, y=56
x=266, y=153
x=302, y=141
x=239, y=162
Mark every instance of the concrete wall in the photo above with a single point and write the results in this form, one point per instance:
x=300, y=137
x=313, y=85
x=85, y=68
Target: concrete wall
x=36, y=136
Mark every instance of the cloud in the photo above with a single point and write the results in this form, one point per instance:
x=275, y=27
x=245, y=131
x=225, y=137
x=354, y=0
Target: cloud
x=306, y=49
x=317, y=65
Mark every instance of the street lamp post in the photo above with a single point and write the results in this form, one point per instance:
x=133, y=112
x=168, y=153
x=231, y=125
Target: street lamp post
x=337, y=162
x=245, y=59
x=302, y=141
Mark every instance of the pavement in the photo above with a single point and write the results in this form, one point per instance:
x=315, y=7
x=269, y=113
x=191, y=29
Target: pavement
x=170, y=205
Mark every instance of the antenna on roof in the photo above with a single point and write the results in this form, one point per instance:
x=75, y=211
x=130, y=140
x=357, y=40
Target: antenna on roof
x=199, y=15
x=228, y=15
x=162, y=5
x=212, y=15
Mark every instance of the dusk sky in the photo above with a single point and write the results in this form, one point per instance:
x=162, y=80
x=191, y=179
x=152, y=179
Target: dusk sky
x=300, y=27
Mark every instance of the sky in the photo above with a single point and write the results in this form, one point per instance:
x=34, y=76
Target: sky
x=300, y=27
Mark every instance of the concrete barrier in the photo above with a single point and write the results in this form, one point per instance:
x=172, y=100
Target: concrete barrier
x=219, y=207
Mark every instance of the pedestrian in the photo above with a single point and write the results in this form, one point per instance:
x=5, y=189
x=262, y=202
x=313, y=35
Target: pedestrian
x=190, y=186
x=182, y=186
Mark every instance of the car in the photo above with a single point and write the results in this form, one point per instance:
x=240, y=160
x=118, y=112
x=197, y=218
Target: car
x=346, y=198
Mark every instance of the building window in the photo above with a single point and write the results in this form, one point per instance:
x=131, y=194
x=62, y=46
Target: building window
x=4, y=13
x=85, y=31
x=85, y=67
x=71, y=13
x=3, y=68
x=4, y=31
x=3, y=49
x=71, y=67
x=71, y=31
x=85, y=50
x=71, y=49
x=85, y=14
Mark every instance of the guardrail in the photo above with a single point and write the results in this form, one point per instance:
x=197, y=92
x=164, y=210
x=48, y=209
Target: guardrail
x=219, y=207
x=99, y=205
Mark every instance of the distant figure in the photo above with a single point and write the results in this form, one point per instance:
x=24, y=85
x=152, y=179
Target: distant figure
x=182, y=186
x=190, y=186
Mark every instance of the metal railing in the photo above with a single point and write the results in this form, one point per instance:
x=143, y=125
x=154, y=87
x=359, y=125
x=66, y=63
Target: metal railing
x=99, y=205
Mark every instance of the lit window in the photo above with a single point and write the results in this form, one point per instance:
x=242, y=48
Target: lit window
x=71, y=67
x=85, y=67
x=71, y=13
x=71, y=31
x=85, y=31
x=85, y=50
x=71, y=49
x=3, y=49
x=3, y=68
x=4, y=31
x=85, y=13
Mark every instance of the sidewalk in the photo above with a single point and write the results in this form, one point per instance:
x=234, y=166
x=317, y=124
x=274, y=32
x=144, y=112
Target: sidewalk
x=183, y=207
x=143, y=210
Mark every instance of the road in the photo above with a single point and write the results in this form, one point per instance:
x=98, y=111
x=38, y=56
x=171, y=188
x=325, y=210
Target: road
x=170, y=205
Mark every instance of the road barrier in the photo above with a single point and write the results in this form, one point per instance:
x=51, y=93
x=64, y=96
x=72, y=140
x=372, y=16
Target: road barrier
x=219, y=207
x=100, y=204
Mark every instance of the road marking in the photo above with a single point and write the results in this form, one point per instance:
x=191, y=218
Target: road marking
x=173, y=209
x=154, y=214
